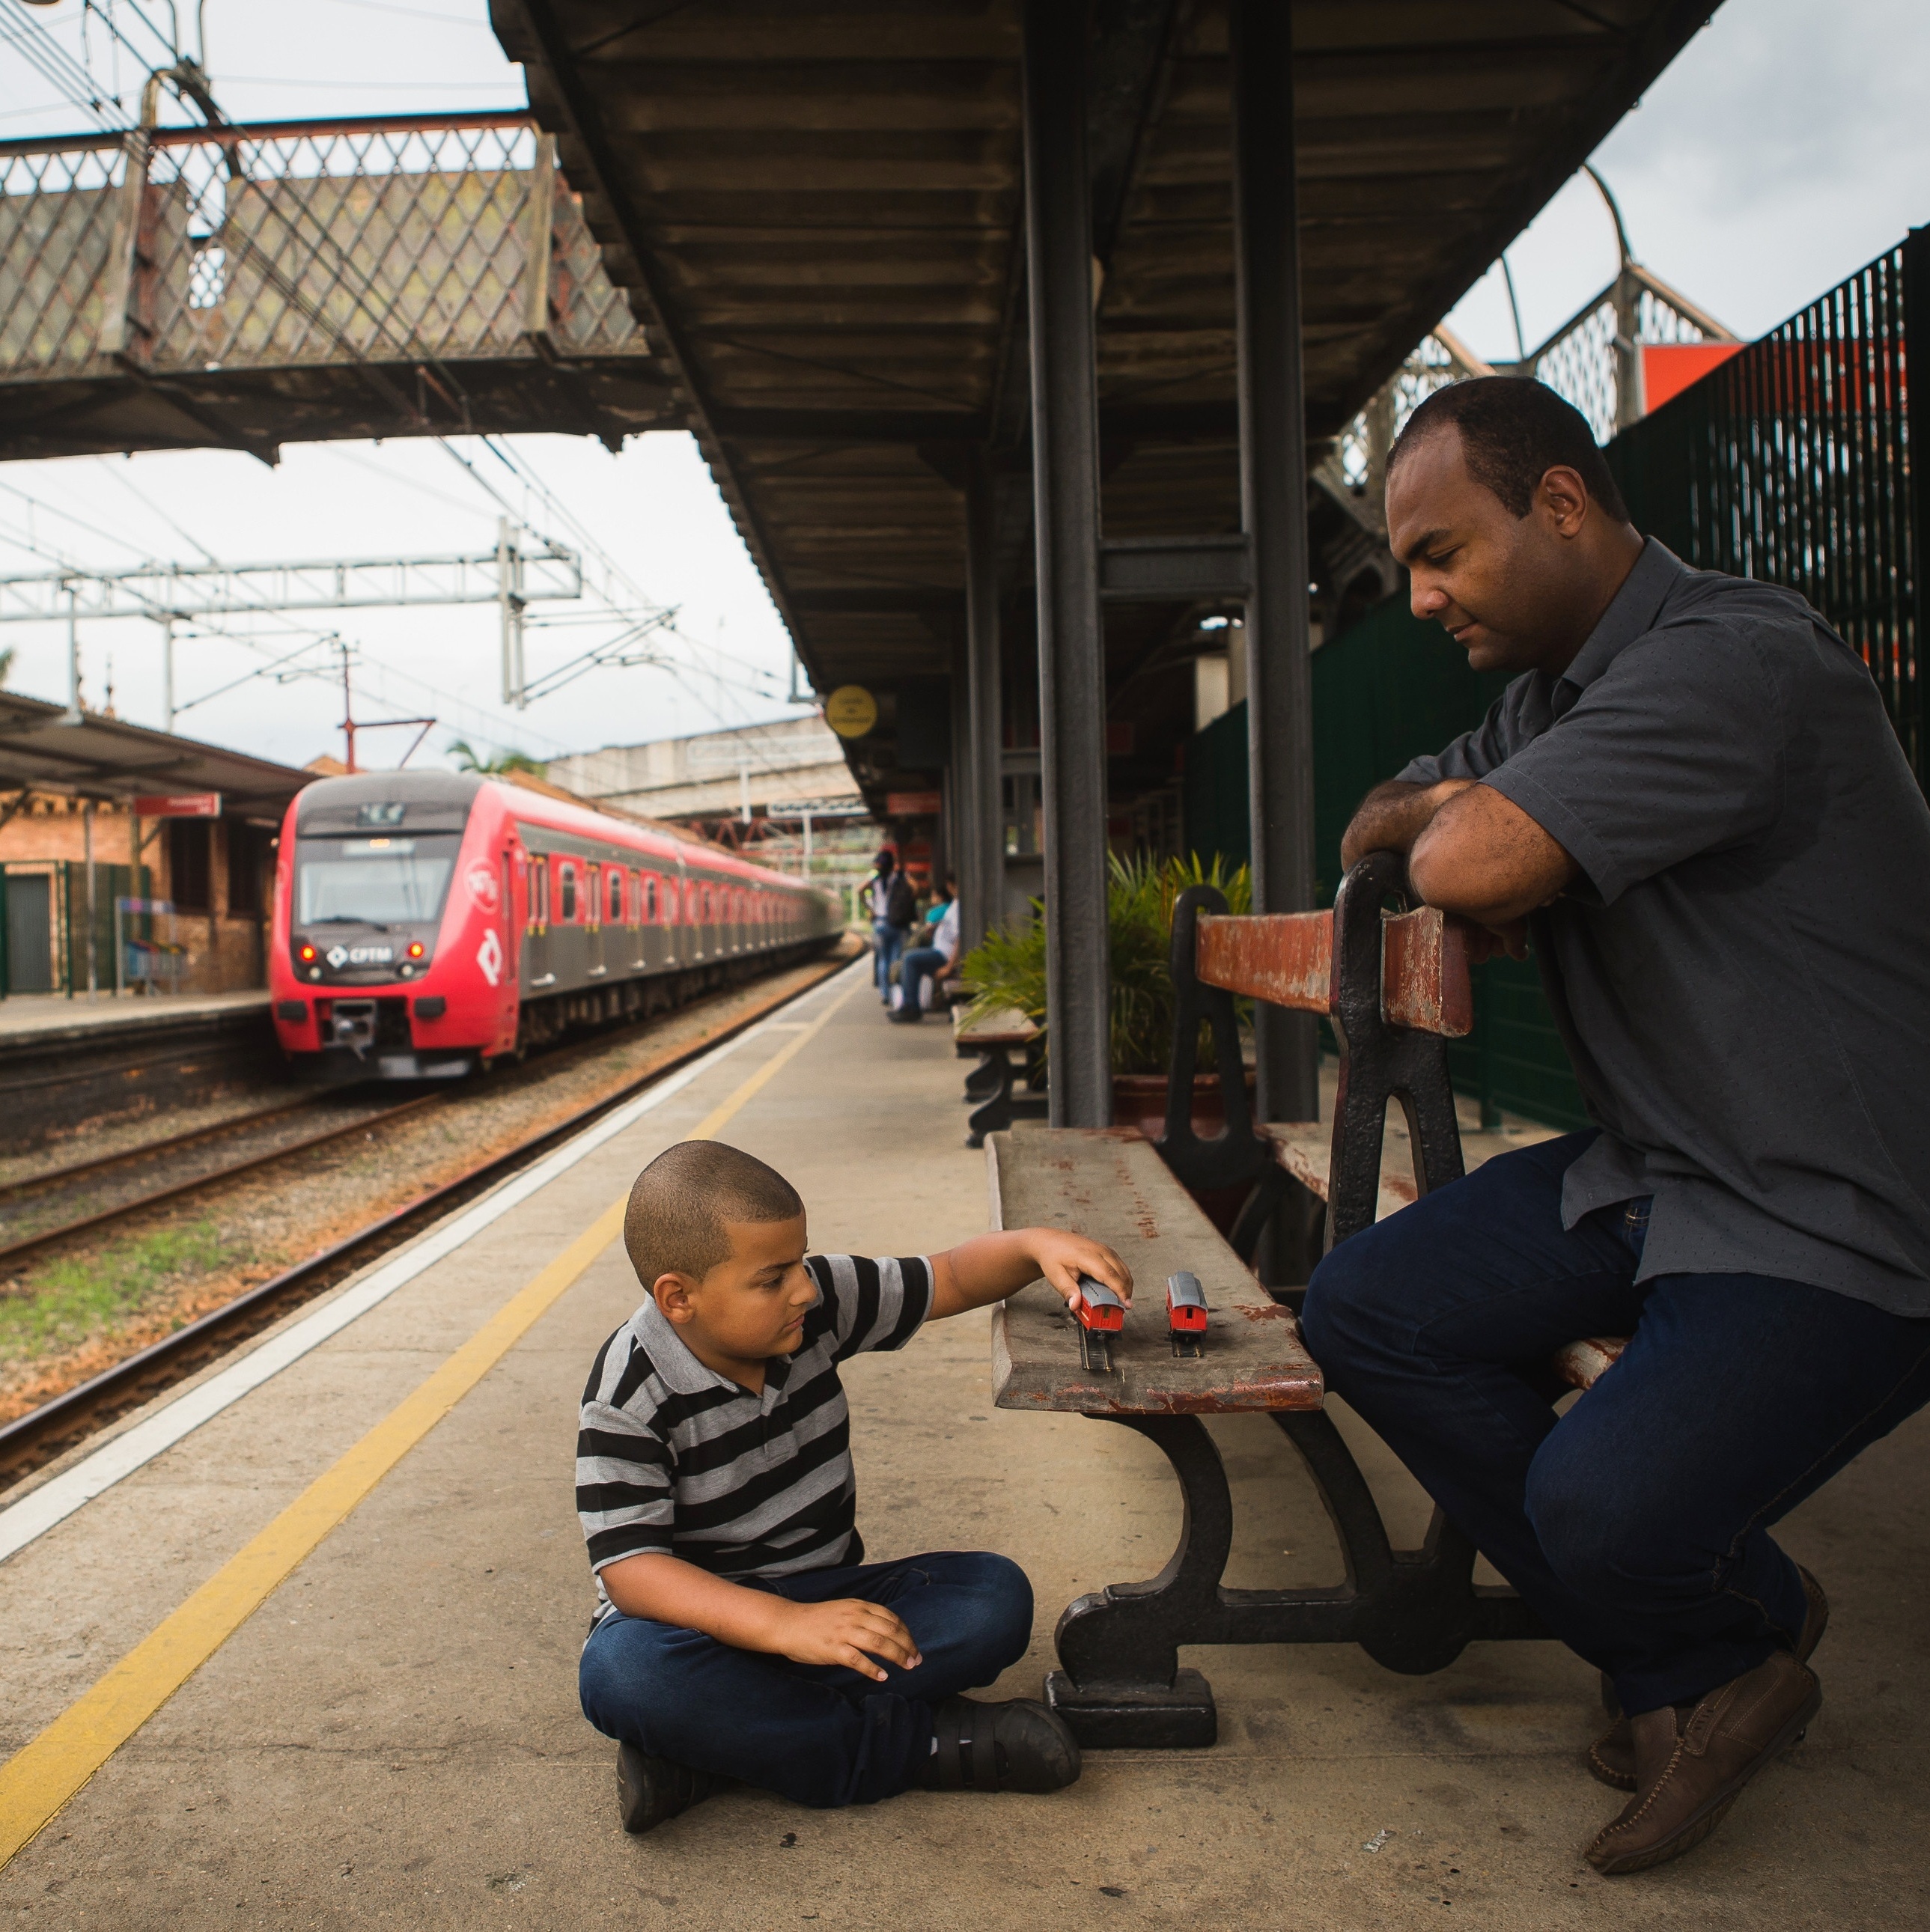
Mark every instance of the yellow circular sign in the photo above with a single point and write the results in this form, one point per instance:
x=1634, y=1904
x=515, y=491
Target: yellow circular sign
x=850, y=711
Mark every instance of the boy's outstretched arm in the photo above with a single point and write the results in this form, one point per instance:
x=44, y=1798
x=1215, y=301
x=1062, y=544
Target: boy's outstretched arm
x=990, y=1266
x=849, y=1631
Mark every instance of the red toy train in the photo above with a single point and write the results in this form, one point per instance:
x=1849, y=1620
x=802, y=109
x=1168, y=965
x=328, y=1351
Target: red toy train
x=427, y=922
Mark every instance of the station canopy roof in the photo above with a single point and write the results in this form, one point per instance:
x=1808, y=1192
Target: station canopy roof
x=817, y=209
x=107, y=758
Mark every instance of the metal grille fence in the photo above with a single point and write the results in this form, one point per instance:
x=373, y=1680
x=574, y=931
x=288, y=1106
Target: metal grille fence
x=186, y=249
x=1792, y=463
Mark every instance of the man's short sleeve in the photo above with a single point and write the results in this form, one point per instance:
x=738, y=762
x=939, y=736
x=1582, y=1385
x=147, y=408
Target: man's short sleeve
x=1472, y=755
x=625, y=1496
x=1674, y=750
x=873, y=1304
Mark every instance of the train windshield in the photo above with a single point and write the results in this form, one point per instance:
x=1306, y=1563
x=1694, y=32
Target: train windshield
x=372, y=881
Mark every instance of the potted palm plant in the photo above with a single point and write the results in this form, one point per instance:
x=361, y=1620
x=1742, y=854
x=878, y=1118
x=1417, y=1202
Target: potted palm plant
x=1009, y=970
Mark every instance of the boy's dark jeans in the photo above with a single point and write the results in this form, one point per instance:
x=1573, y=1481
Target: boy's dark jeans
x=1636, y=1526
x=820, y=1734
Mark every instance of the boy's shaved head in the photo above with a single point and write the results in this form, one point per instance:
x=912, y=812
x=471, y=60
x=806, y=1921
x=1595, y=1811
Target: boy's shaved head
x=676, y=1222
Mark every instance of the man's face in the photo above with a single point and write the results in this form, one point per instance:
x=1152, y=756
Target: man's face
x=751, y=1305
x=1510, y=590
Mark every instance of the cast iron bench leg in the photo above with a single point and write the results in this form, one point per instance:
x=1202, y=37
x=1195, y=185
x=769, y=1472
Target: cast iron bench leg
x=1122, y=1687
x=984, y=1081
x=1003, y=1107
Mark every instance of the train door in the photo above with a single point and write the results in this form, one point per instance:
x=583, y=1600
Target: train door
x=538, y=972
x=596, y=964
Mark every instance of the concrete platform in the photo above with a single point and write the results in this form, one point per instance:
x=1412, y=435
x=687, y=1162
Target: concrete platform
x=45, y=1016
x=392, y=1739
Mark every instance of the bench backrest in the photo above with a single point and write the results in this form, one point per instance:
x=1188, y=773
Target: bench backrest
x=1287, y=959
x=1396, y=988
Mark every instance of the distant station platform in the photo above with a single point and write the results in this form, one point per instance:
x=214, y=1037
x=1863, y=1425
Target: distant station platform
x=42, y=1017
x=302, y=1638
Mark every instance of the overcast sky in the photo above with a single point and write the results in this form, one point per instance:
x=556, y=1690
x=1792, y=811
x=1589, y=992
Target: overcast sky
x=1788, y=145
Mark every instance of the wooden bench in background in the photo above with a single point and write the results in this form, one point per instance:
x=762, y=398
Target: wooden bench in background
x=992, y=1040
x=1396, y=988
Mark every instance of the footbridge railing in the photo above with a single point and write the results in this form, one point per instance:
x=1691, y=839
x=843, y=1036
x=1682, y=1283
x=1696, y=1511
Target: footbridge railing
x=306, y=279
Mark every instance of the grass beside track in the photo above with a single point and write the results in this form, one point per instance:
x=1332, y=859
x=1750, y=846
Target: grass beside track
x=78, y=1296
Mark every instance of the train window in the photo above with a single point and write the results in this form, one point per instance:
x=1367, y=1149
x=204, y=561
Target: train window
x=615, y=896
x=592, y=896
x=648, y=902
x=541, y=868
x=567, y=892
x=704, y=904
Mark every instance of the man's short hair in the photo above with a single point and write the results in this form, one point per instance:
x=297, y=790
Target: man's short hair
x=1514, y=431
x=680, y=1206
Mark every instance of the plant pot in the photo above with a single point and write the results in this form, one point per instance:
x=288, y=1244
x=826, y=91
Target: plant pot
x=1139, y=1102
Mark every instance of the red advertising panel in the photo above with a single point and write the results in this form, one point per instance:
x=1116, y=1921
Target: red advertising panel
x=180, y=804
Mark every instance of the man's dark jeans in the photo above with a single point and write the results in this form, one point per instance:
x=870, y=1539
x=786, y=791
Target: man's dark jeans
x=1637, y=1524
x=820, y=1734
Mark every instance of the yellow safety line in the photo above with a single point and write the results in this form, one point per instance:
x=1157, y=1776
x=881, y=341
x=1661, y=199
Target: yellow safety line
x=40, y=1778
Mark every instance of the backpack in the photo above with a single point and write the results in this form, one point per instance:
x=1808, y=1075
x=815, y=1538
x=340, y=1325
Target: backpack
x=901, y=903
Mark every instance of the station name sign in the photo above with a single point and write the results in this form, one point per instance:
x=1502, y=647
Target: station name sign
x=180, y=804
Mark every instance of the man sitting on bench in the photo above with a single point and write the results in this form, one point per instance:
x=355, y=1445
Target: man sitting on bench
x=1690, y=800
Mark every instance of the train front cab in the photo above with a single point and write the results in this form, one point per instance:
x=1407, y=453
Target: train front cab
x=395, y=905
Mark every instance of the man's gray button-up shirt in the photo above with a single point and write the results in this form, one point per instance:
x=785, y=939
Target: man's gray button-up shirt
x=1742, y=973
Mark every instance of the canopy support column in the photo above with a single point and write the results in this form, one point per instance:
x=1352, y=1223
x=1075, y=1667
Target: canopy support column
x=984, y=880
x=1065, y=466
x=1273, y=498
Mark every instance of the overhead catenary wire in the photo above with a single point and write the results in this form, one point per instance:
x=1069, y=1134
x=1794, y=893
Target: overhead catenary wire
x=649, y=617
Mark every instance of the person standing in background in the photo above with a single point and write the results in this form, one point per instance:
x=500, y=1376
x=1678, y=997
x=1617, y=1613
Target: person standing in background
x=893, y=907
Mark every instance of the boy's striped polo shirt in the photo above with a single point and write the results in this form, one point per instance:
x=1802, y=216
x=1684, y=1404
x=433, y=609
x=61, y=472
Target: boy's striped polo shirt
x=672, y=1457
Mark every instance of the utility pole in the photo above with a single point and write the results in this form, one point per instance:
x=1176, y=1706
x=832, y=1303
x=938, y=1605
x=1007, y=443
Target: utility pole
x=348, y=705
x=510, y=602
x=72, y=714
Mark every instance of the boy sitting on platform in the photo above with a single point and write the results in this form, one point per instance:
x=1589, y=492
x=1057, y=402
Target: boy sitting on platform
x=740, y=1633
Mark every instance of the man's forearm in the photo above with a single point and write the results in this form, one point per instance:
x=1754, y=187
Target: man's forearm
x=1393, y=815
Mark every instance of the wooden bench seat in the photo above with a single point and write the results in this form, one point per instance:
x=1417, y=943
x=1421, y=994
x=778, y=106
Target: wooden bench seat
x=993, y=1039
x=1111, y=1176
x=1396, y=988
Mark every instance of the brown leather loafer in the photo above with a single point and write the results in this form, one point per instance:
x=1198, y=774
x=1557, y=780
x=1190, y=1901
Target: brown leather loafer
x=1611, y=1758
x=1690, y=1771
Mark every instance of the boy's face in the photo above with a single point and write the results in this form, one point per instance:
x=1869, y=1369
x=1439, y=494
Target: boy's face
x=752, y=1304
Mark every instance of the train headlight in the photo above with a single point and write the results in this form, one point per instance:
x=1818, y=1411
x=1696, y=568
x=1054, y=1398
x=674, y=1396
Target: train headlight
x=305, y=953
x=415, y=949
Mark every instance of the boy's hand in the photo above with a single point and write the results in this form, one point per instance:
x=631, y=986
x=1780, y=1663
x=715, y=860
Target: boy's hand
x=1062, y=1258
x=848, y=1631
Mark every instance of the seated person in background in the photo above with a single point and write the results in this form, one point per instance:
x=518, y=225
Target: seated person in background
x=740, y=1634
x=935, y=960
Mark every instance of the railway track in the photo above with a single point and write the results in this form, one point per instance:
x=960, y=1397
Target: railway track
x=44, y=1433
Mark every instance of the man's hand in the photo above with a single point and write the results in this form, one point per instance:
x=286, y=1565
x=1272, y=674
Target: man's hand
x=847, y=1630
x=1062, y=1258
x=1486, y=942
x=1394, y=815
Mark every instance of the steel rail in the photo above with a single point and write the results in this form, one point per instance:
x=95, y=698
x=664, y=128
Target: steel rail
x=12, y=1190
x=36, y=1438
x=33, y=1244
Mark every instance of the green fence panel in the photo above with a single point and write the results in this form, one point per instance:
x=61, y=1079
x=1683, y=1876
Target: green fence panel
x=1388, y=689
x=1791, y=462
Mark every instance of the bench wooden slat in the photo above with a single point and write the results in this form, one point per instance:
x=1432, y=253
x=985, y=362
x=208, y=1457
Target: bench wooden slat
x=1287, y=960
x=1111, y=1184
x=1004, y=1026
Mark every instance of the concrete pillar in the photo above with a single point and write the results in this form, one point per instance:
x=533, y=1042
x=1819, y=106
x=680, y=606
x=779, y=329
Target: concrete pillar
x=1065, y=467
x=1273, y=497
x=984, y=883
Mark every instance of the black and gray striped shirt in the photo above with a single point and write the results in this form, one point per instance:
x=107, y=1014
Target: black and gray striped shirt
x=674, y=1458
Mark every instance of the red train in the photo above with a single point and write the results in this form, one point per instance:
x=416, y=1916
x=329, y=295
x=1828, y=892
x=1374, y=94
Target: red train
x=428, y=923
